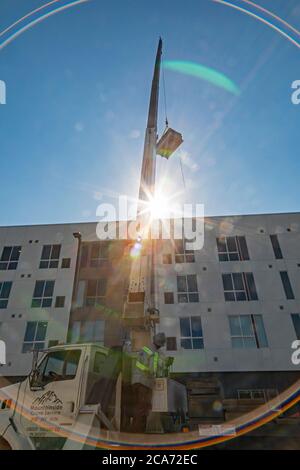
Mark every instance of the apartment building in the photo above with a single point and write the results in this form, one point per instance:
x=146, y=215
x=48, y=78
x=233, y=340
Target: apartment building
x=36, y=280
x=230, y=311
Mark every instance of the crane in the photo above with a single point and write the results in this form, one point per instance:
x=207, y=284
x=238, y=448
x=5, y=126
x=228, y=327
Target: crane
x=141, y=315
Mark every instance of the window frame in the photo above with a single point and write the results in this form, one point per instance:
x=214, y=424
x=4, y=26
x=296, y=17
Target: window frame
x=276, y=246
x=97, y=261
x=191, y=338
x=259, y=338
x=287, y=285
x=34, y=341
x=52, y=260
x=43, y=301
x=94, y=300
x=64, y=377
x=182, y=255
x=188, y=295
x=5, y=285
x=241, y=252
x=11, y=263
x=296, y=324
x=248, y=292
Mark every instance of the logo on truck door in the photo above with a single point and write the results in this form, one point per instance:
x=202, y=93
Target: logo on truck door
x=48, y=403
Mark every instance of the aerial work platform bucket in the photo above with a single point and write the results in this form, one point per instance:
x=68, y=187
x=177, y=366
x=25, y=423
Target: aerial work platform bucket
x=168, y=143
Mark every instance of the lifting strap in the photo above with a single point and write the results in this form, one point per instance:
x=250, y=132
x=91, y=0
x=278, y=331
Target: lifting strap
x=167, y=124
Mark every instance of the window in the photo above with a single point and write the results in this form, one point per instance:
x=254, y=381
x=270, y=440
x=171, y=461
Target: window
x=60, y=301
x=99, y=254
x=191, y=333
x=66, y=263
x=287, y=285
x=43, y=293
x=167, y=259
x=232, y=249
x=52, y=342
x=276, y=246
x=99, y=361
x=239, y=287
x=88, y=331
x=5, y=288
x=50, y=256
x=247, y=331
x=187, y=288
x=181, y=254
x=296, y=323
x=169, y=297
x=171, y=343
x=10, y=257
x=58, y=366
x=35, y=335
x=95, y=294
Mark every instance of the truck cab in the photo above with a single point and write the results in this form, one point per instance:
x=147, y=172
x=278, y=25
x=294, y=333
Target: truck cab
x=74, y=392
x=64, y=384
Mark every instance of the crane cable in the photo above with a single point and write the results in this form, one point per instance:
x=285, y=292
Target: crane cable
x=165, y=99
x=167, y=125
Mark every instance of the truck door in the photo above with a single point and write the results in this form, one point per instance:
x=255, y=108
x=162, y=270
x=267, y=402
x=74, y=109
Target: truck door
x=51, y=396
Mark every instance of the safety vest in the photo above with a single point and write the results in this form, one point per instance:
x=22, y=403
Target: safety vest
x=153, y=362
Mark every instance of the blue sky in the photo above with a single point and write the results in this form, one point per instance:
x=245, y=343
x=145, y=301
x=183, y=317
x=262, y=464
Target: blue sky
x=78, y=83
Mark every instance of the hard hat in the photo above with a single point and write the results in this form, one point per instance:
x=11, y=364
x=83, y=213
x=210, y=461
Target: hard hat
x=159, y=339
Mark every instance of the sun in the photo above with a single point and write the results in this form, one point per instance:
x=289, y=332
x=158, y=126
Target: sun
x=159, y=206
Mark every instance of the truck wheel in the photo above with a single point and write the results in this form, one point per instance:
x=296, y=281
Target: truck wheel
x=4, y=445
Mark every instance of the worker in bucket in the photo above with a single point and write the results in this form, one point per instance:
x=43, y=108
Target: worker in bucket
x=149, y=365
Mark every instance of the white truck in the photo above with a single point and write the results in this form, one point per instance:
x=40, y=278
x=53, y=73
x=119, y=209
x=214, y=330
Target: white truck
x=72, y=399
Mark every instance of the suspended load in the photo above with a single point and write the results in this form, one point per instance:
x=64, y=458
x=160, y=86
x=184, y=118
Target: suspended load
x=168, y=143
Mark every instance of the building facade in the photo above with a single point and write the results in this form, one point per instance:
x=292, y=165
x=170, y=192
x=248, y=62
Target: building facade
x=36, y=277
x=230, y=311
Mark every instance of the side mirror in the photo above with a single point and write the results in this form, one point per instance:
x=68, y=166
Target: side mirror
x=35, y=357
x=34, y=375
x=33, y=381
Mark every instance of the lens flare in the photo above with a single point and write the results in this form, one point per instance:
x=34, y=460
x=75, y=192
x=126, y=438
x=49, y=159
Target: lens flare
x=205, y=73
x=135, y=251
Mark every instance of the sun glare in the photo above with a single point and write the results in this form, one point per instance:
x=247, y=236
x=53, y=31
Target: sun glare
x=159, y=206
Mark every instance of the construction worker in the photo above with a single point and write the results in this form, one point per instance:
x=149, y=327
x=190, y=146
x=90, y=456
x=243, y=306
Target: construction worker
x=149, y=365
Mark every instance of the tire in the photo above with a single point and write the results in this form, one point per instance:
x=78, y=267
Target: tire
x=4, y=445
